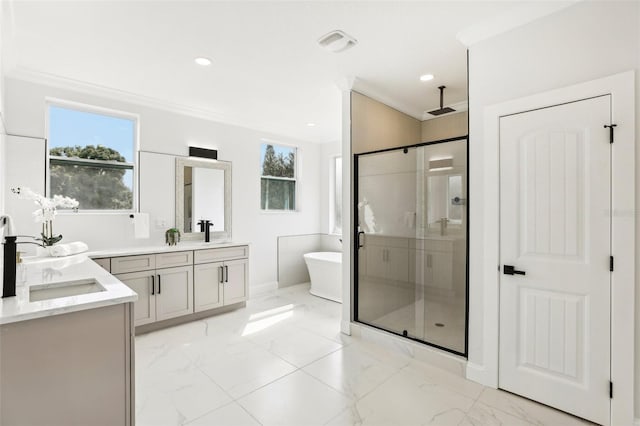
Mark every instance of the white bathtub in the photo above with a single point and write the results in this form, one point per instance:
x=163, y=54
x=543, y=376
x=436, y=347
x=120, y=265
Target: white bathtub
x=325, y=270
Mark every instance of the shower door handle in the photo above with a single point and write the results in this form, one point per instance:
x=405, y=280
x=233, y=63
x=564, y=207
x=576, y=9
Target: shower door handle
x=360, y=242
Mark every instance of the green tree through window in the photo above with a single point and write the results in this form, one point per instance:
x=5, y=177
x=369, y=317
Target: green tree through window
x=278, y=181
x=91, y=156
x=96, y=185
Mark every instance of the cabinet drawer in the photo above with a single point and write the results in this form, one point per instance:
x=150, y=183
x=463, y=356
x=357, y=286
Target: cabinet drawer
x=219, y=254
x=105, y=262
x=133, y=263
x=178, y=258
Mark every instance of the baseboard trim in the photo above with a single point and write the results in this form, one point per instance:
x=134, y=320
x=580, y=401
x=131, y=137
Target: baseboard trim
x=478, y=373
x=345, y=327
x=453, y=363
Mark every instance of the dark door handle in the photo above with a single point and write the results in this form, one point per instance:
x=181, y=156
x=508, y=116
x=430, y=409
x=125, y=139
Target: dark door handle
x=510, y=270
x=159, y=285
x=220, y=274
x=360, y=243
x=153, y=285
x=226, y=274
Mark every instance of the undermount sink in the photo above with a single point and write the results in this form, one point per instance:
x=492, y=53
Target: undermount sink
x=63, y=289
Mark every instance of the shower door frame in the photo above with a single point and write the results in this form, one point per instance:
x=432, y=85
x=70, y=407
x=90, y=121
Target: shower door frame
x=356, y=247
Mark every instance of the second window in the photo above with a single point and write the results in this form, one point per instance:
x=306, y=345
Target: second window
x=278, y=177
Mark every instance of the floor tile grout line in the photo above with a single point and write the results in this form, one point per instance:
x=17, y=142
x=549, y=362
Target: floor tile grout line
x=216, y=383
x=264, y=385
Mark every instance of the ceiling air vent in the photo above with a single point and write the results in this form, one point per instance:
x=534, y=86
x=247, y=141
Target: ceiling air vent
x=337, y=41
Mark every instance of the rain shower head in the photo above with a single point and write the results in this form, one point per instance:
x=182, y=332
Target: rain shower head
x=441, y=110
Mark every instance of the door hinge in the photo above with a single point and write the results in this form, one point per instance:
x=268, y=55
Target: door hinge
x=610, y=127
x=611, y=263
x=611, y=390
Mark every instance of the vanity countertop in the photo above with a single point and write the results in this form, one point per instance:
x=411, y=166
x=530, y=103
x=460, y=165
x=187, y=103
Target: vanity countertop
x=47, y=273
x=181, y=246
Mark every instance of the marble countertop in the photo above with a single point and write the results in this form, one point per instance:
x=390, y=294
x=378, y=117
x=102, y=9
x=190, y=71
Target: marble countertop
x=51, y=272
x=181, y=246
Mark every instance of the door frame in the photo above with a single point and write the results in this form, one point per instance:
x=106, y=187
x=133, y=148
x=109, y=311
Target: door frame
x=621, y=87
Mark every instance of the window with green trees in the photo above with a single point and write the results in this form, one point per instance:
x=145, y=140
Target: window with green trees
x=91, y=157
x=278, y=180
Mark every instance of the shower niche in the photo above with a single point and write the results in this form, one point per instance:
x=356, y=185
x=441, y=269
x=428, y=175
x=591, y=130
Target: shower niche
x=411, y=276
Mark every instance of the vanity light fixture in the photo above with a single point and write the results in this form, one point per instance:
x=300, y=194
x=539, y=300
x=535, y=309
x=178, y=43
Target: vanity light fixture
x=211, y=154
x=441, y=164
x=311, y=124
x=203, y=61
x=426, y=77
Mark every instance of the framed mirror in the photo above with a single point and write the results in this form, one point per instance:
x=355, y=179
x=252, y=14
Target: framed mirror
x=445, y=199
x=203, y=192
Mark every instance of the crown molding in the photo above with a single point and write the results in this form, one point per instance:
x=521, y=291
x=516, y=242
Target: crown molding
x=361, y=86
x=52, y=80
x=510, y=20
x=57, y=81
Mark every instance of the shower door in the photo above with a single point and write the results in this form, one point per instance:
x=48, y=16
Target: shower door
x=411, y=251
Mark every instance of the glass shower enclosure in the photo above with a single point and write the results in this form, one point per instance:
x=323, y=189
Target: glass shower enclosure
x=411, y=251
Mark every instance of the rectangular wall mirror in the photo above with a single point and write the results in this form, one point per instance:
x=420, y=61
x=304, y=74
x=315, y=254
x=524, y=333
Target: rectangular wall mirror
x=203, y=192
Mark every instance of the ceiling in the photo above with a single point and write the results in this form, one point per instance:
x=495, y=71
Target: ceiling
x=267, y=71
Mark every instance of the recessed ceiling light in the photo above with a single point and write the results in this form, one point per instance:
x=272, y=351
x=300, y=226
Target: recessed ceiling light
x=203, y=61
x=426, y=77
x=311, y=124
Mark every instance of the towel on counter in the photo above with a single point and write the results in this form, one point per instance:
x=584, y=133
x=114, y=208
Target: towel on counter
x=60, y=250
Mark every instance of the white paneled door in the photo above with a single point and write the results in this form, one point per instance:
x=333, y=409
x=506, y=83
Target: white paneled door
x=555, y=197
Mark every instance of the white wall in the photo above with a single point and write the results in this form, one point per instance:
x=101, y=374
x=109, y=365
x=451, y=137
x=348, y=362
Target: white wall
x=2, y=128
x=164, y=132
x=327, y=153
x=584, y=42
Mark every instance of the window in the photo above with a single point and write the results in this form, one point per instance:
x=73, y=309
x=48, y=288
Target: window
x=337, y=195
x=91, y=157
x=278, y=177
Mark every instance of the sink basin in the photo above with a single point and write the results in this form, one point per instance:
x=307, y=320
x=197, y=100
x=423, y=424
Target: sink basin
x=63, y=289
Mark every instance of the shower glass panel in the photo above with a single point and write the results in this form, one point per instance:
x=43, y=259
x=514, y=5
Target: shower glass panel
x=412, y=242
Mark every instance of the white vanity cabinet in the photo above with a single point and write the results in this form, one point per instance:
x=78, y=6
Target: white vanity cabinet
x=164, y=283
x=182, y=285
x=387, y=258
x=431, y=264
x=221, y=277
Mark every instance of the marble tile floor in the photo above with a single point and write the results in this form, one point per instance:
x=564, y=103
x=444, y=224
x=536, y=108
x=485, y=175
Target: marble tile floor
x=282, y=361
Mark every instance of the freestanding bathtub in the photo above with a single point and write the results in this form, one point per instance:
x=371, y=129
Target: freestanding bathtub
x=325, y=270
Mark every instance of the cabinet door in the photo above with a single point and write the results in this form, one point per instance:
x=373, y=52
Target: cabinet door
x=236, y=282
x=397, y=264
x=376, y=261
x=174, y=292
x=144, y=309
x=207, y=286
x=443, y=270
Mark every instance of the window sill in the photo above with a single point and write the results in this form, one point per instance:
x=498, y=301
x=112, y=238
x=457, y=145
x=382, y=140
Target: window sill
x=96, y=212
x=271, y=212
